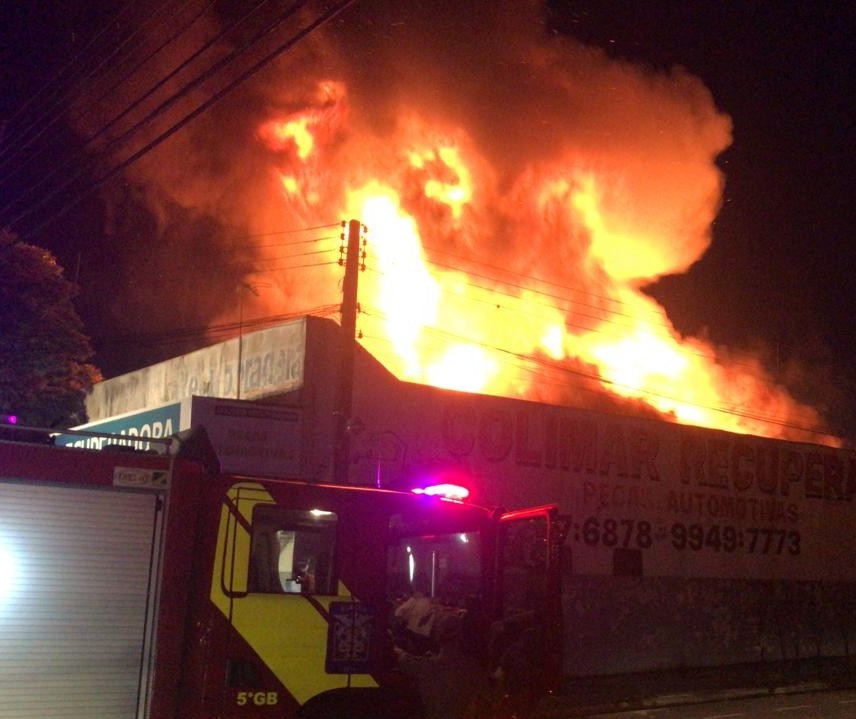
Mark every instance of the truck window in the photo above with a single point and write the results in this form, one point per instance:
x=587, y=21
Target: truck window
x=430, y=576
x=524, y=566
x=292, y=551
x=448, y=564
x=520, y=642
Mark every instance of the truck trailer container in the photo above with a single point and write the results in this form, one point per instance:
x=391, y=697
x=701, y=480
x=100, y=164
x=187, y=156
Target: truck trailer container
x=151, y=587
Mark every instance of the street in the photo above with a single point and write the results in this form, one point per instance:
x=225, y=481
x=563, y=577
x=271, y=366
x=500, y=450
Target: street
x=838, y=704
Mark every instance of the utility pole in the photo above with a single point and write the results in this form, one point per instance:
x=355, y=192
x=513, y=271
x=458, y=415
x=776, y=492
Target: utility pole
x=241, y=287
x=348, y=332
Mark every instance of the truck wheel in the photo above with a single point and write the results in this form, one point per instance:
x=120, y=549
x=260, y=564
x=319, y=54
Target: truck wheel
x=363, y=703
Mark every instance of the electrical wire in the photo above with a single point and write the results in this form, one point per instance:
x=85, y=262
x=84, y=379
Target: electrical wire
x=246, y=267
x=223, y=329
x=293, y=267
x=109, y=92
x=275, y=233
x=329, y=14
x=528, y=288
x=543, y=363
x=152, y=115
x=605, y=323
x=67, y=92
x=116, y=142
x=60, y=82
x=492, y=301
x=294, y=255
x=517, y=275
x=531, y=367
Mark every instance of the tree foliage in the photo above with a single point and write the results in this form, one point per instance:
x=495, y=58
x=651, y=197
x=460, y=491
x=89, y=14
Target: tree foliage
x=45, y=369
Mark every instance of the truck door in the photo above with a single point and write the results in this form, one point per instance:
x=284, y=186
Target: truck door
x=526, y=641
x=274, y=580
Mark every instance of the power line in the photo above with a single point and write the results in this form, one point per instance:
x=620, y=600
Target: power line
x=532, y=367
x=527, y=310
x=553, y=365
x=308, y=253
x=294, y=267
x=110, y=91
x=587, y=295
x=256, y=267
x=115, y=142
x=621, y=322
x=224, y=329
x=562, y=300
x=59, y=82
x=267, y=59
x=275, y=233
x=67, y=91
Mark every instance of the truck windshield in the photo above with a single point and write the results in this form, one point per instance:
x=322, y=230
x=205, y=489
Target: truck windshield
x=430, y=577
x=448, y=566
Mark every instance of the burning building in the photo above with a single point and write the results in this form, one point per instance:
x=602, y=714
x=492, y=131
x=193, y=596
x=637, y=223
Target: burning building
x=742, y=544
x=520, y=192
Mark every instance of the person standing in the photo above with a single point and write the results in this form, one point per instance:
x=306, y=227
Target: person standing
x=415, y=618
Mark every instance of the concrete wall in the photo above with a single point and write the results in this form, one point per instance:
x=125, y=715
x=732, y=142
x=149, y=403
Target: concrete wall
x=271, y=362
x=647, y=498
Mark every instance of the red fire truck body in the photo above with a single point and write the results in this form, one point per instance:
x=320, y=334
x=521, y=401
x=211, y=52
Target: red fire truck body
x=134, y=585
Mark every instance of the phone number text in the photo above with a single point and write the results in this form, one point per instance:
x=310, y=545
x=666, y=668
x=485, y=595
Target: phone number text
x=640, y=534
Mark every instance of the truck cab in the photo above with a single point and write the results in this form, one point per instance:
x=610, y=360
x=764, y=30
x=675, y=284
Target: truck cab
x=306, y=579
x=149, y=587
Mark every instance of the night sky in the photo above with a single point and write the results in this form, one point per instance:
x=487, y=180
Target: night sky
x=777, y=278
x=780, y=269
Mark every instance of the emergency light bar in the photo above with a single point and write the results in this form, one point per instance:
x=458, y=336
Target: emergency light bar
x=446, y=491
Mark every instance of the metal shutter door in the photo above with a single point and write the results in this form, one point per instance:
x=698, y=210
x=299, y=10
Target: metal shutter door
x=74, y=593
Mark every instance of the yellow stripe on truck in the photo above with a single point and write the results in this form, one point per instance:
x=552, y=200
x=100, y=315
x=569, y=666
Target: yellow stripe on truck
x=287, y=632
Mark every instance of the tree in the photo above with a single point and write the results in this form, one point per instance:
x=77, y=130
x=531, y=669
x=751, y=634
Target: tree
x=45, y=371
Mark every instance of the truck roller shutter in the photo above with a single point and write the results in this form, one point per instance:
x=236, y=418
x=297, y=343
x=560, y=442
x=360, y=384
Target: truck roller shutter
x=75, y=601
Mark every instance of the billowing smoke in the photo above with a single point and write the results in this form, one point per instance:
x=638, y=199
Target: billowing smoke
x=519, y=189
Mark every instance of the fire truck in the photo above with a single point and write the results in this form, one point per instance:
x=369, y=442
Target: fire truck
x=154, y=586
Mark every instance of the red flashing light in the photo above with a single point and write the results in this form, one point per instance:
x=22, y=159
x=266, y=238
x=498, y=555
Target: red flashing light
x=445, y=491
x=9, y=418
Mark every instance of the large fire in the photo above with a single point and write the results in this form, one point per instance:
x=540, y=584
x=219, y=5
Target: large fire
x=467, y=320
x=518, y=196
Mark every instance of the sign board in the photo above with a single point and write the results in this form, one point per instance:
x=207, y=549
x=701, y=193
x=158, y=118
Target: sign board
x=256, y=364
x=140, y=478
x=349, y=638
x=251, y=438
x=158, y=422
x=248, y=438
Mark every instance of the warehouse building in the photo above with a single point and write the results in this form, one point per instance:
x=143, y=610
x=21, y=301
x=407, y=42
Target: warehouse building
x=687, y=546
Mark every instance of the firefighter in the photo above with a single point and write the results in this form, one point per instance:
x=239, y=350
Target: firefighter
x=414, y=618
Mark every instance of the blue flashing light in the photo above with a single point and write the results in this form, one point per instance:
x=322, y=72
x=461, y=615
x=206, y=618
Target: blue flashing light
x=9, y=418
x=444, y=490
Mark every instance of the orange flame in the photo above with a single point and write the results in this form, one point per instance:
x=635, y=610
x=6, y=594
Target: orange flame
x=445, y=305
x=520, y=192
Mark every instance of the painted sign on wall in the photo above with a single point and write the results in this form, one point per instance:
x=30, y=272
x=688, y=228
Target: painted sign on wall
x=260, y=363
x=645, y=497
